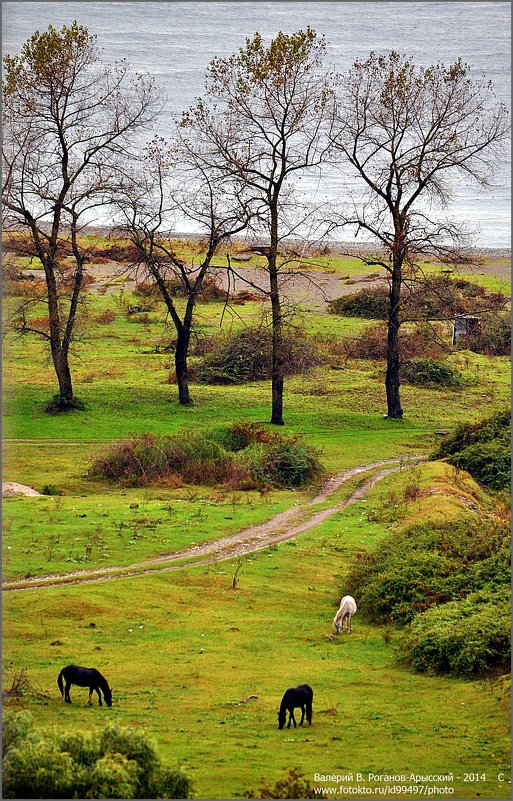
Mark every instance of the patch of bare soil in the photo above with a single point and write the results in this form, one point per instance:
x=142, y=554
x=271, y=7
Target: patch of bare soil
x=281, y=527
x=10, y=488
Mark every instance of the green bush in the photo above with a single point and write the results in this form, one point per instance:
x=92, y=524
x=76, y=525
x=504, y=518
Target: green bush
x=498, y=426
x=427, y=298
x=148, y=458
x=430, y=373
x=50, y=489
x=286, y=462
x=247, y=356
x=371, y=303
x=425, y=565
x=268, y=458
x=482, y=449
x=488, y=462
x=37, y=769
x=114, y=763
x=468, y=638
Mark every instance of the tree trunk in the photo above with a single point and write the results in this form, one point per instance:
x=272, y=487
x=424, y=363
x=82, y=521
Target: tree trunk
x=60, y=356
x=61, y=364
x=277, y=355
x=182, y=377
x=392, y=380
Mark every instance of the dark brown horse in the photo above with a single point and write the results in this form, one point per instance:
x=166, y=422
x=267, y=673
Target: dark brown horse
x=84, y=677
x=295, y=697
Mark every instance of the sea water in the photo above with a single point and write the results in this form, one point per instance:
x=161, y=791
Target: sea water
x=174, y=41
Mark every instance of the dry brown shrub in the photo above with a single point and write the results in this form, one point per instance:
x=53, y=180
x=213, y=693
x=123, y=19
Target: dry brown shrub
x=105, y=317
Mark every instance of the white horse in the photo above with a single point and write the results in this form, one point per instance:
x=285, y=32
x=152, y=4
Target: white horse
x=346, y=611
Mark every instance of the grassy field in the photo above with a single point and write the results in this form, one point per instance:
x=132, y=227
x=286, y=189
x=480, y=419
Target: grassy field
x=184, y=651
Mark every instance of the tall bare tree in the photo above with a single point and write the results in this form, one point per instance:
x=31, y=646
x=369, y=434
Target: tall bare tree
x=262, y=120
x=406, y=132
x=69, y=121
x=172, y=183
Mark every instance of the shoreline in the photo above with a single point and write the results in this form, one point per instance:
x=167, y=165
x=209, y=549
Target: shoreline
x=335, y=246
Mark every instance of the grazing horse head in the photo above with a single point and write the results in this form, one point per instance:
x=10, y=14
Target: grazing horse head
x=107, y=694
x=282, y=718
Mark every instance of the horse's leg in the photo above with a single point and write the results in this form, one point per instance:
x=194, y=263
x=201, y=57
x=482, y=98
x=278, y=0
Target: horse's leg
x=99, y=696
x=302, y=714
x=90, y=694
x=292, y=718
x=67, y=697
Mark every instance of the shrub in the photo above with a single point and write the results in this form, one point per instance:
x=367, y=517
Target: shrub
x=496, y=426
x=468, y=638
x=482, y=449
x=105, y=317
x=294, y=785
x=428, y=298
x=421, y=341
x=488, y=462
x=285, y=462
x=247, y=356
x=148, y=458
x=239, y=435
x=146, y=289
x=430, y=373
x=216, y=458
x=115, y=763
x=50, y=489
x=371, y=303
x=425, y=565
x=25, y=288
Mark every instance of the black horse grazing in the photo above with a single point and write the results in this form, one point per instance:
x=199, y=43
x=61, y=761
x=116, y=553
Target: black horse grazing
x=294, y=697
x=84, y=677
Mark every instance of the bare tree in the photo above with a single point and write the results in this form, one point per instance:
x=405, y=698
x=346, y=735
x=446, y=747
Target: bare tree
x=406, y=132
x=68, y=121
x=173, y=183
x=262, y=120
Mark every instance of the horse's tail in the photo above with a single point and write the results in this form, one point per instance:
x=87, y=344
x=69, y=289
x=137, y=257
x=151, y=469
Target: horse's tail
x=60, y=682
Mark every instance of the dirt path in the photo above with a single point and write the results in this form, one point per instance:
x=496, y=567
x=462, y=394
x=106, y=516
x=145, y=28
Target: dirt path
x=281, y=527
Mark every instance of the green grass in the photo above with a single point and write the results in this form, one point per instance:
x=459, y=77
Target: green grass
x=62, y=534
x=197, y=647
x=182, y=650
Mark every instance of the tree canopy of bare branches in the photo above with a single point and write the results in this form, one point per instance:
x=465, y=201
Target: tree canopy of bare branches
x=169, y=181
x=69, y=122
x=406, y=132
x=262, y=120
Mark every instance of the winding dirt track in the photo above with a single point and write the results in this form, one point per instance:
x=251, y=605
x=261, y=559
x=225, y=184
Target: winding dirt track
x=284, y=526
